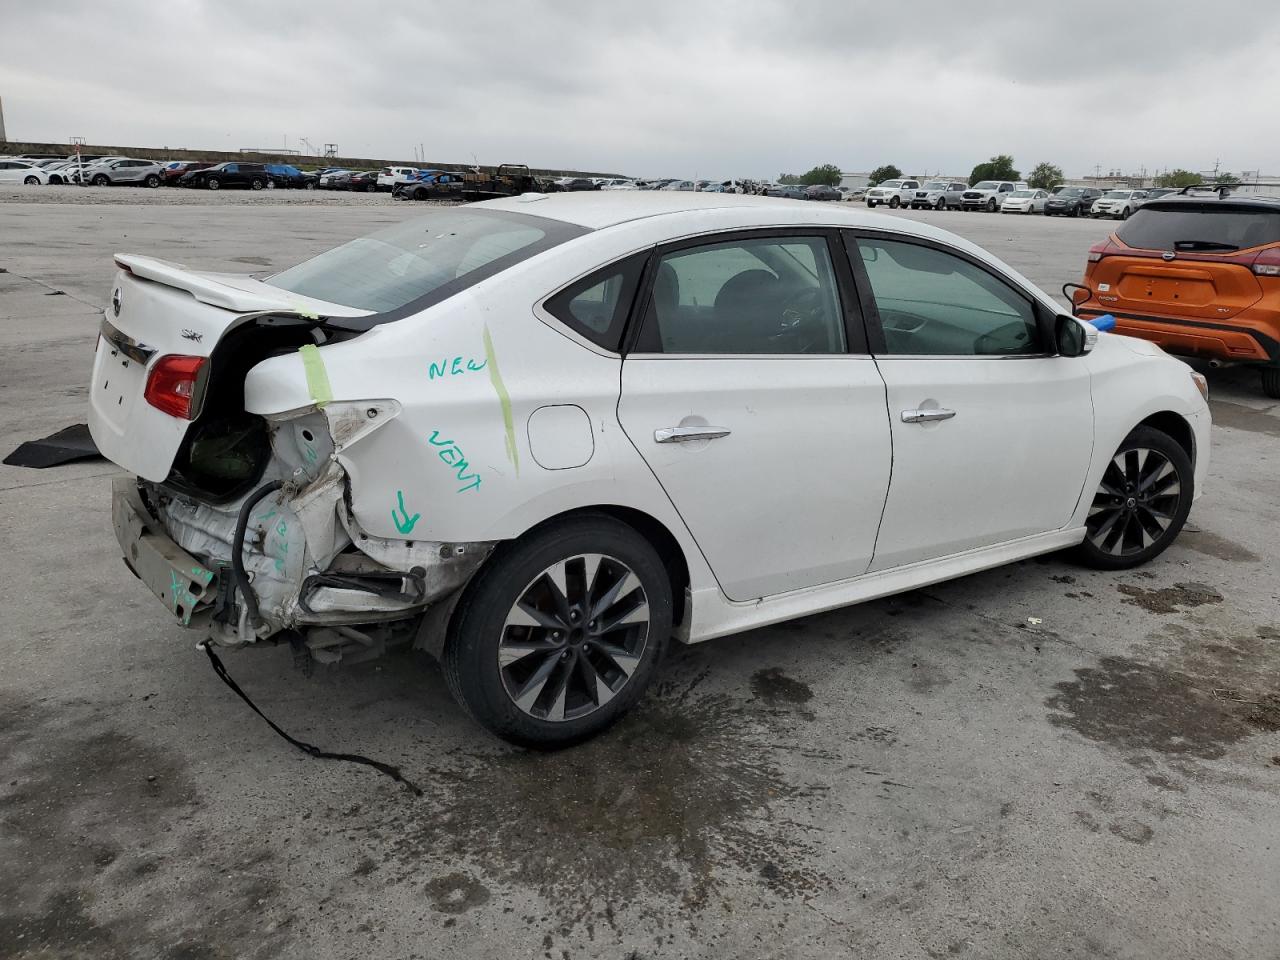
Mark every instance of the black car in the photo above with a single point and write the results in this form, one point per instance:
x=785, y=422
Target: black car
x=1071, y=201
x=437, y=186
x=254, y=176
x=575, y=184
x=366, y=181
x=820, y=191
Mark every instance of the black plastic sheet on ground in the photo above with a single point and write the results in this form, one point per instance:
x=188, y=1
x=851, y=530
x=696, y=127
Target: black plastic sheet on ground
x=65, y=446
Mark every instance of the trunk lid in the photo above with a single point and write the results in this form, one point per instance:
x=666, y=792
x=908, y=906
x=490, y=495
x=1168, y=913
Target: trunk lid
x=160, y=309
x=1195, y=289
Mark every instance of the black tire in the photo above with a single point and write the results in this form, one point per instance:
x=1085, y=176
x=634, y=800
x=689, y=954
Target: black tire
x=101, y=180
x=516, y=573
x=1134, y=499
x=941, y=204
x=213, y=183
x=1271, y=382
x=991, y=205
x=1124, y=214
x=370, y=188
x=32, y=181
x=152, y=181
x=894, y=203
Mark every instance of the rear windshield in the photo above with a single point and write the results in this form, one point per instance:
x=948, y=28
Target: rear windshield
x=1200, y=225
x=440, y=253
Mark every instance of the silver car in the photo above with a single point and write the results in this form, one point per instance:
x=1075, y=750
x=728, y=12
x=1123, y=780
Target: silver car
x=130, y=171
x=939, y=194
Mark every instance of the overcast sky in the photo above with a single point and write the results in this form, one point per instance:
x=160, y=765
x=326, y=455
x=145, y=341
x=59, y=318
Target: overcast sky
x=687, y=88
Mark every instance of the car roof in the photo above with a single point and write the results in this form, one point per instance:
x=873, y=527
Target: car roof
x=598, y=211
x=1204, y=200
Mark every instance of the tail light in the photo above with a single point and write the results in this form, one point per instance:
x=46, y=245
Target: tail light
x=1267, y=263
x=1100, y=250
x=171, y=385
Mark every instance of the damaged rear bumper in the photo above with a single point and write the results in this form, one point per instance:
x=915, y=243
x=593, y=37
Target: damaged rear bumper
x=312, y=569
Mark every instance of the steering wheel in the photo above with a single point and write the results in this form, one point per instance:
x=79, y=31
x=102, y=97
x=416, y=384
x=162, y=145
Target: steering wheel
x=802, y=326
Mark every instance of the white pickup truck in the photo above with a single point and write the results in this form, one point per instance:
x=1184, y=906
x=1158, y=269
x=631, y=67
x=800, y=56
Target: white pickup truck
x=894, y=193
x=989, y=194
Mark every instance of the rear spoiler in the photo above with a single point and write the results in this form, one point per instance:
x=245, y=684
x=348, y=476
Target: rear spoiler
x=234, y=292
x=1223, y=190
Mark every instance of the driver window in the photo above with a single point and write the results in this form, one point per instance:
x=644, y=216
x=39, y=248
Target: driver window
x=766, y=296
x=932, y=303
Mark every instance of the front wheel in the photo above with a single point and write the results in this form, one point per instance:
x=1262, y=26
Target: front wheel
x=941, y=204
x=1124, y=214
x=1141, y=503
x=560, y=633
x=32, y=181
x=213, y=183
x=991, y=206
x=100, y=180
x=894, y=203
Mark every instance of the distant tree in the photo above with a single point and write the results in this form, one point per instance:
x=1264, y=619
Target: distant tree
x=1178, y=178
x=827, y=173
x=999, y=167
x=887, y=172
x=1044, y=176
x=790, y=179
x=1224, y=178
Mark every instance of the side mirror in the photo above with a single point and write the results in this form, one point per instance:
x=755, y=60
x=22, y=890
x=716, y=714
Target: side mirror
x=1072, y=337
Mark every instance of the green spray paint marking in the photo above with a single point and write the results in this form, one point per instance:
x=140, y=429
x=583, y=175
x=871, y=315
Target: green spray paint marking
x=406, y=524
x=201, y=573
x=454, y=368
x=317, y=376
x=175, y=588
x=508, y=421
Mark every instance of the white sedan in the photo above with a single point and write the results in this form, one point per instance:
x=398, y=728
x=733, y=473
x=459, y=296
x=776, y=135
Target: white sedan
x=430, y=436
x=22, y=171
x=1025, y=201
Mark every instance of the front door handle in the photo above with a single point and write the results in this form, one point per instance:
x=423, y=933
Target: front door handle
x=685, y=434
x=927, y=415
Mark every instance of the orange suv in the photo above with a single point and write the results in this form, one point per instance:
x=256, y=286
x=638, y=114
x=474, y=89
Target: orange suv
x=1199, y=274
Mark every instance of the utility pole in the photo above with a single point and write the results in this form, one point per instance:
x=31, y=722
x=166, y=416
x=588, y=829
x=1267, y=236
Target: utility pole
x=2, y=136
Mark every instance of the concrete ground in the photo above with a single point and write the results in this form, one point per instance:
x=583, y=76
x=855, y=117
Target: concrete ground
x=1036, y=762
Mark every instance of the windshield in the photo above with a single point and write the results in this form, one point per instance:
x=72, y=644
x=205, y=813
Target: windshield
x=1071, y=192
x=1116, y=195
x=892, y=183
x=396, y=266
x=986, y=185
x=1198, y=225
x=1023, y=193
x=936, y=185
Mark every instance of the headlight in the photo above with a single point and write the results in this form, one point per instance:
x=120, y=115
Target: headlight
x=1201, y=384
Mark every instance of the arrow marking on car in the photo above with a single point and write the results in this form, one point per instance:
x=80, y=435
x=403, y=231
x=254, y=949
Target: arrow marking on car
x=404, y=523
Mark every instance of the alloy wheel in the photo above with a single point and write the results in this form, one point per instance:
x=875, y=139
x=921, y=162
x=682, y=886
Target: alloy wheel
x=1135, y=503
x=574, y=637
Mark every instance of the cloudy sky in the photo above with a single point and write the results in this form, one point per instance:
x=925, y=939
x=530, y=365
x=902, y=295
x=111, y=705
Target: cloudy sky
x=674, y=87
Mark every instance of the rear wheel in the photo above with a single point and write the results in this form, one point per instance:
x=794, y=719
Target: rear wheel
x=560, y=634
x=32, y=181
x=257, y=184
x=1271, y=382
x=152, y=181
x=1140, y=504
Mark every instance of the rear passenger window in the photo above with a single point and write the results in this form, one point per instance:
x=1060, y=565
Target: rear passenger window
x=768, y=296
x=597, y=307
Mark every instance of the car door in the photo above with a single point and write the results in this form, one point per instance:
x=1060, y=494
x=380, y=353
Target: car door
x=751, y=396
x=10, y=172
x=992, y=434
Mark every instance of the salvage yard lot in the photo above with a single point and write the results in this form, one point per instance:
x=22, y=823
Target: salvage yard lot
x=1038, y=761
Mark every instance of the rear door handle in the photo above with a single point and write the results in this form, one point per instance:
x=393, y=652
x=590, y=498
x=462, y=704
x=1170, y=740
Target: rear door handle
x=685, y=434
x=927, y=415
